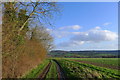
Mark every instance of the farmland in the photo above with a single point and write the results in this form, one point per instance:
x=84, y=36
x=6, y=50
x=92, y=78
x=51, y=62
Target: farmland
x=103, y=62
x=64, y=68
x=75, y=69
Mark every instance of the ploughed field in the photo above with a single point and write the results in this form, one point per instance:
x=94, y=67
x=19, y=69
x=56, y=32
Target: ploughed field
x=75, y=68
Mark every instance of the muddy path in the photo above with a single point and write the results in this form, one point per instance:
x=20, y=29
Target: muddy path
x=42, y=76
x=61, y=74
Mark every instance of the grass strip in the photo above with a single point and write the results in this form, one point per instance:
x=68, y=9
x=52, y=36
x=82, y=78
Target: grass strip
x=34, y=73
x=53, y=71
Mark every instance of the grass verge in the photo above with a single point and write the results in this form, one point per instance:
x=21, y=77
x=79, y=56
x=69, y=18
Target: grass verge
x=34, y=73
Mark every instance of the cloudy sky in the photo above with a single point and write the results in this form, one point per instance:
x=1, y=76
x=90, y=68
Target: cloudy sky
x=86, y=26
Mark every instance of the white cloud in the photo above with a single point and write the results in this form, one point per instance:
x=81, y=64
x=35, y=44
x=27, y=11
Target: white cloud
x=77, y=38
x=58, y=33
x=107, y=23
x=76, y=33
x=97, y=27
x=73, y=27
x=95, y=35
x=70, y=43
x=61, y=34
x=76, y=27
x=78, y=42
x=64, y=31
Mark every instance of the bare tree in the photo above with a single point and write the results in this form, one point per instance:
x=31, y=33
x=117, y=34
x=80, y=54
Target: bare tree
x=42, y=11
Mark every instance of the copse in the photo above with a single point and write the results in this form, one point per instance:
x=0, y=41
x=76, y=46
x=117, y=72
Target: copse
x=25, y=45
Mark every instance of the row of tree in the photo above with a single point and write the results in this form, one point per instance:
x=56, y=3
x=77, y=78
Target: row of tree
x=25, y=41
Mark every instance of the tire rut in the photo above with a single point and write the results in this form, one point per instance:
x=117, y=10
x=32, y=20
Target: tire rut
x=61, y=74
x=45, y=71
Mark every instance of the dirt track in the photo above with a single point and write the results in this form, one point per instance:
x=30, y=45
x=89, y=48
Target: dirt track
x=61, y=75
x=45, y=71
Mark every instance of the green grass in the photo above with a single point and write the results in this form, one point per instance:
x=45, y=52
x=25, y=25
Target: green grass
x=53, y=71
x=34, y=73
x=75, y=69
x=108, y=61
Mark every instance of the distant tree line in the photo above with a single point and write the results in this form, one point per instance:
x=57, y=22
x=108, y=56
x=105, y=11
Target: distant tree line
x=85, y=54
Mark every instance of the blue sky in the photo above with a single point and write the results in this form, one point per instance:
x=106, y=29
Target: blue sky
x=86, y=26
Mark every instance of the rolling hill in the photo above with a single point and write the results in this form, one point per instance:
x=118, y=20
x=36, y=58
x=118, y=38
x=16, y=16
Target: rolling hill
x=82, y=54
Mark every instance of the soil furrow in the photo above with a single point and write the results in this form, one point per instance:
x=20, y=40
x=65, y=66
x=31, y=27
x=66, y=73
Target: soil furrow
x=45, y=71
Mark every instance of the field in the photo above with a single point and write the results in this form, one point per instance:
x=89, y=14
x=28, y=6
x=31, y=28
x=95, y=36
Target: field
x=103, y=62
x=75, y=69
x=64, y=68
